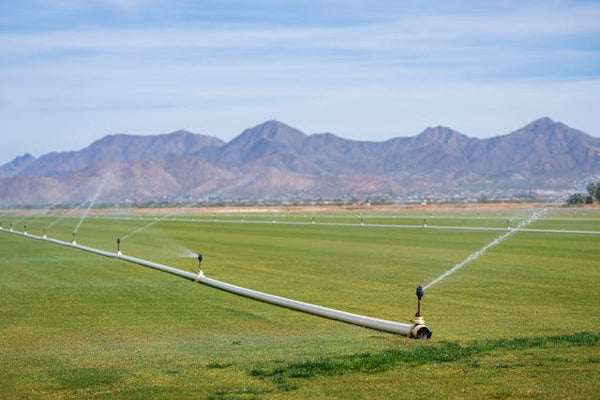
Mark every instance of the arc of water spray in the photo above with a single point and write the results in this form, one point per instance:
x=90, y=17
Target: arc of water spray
x=488, y=246
x=42, y=213
x=154, y=222
x=22, y=217
x=92, y=201
x=69, y=212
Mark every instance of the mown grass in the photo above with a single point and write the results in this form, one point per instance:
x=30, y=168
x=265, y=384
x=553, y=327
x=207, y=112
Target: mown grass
x=76, y=325
x=422, y=354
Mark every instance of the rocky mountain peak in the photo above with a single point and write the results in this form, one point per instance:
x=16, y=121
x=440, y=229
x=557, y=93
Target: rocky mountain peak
x=547, y=130
x=540, y=125
x=274, y=159
x=181, y=132
x=273, y=131
x=440, y=134
x=17, y=165
x=271, y=137
x=24, y=159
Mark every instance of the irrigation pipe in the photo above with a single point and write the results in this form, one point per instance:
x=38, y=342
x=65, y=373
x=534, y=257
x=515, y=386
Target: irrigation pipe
x=416, y=330
x=367, y=225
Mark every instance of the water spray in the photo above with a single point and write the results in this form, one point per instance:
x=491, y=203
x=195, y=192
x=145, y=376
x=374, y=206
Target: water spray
x=93, y=200
x=156, y=221
x=69, y=212
x=498, y=240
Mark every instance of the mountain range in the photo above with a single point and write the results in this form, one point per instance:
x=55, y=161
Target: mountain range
x=274, y=161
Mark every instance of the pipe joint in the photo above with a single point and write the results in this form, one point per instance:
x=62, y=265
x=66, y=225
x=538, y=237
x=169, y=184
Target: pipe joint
x=419, y=331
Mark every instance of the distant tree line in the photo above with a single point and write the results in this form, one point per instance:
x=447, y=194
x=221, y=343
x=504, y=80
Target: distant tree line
x=592, y=195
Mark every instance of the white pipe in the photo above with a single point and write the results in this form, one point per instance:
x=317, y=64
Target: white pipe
x=410, y=330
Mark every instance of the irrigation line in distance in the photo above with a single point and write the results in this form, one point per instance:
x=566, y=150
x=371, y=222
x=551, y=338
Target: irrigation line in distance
x=365, y=225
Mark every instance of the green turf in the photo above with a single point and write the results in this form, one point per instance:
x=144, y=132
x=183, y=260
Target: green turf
x=521, y=321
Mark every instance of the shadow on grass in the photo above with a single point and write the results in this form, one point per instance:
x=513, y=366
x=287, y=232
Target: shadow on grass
x=419, y=355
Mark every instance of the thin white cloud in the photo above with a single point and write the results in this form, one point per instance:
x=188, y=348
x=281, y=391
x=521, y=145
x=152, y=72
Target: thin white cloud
x=379, y=77
x=126, y=5
x=393, y=34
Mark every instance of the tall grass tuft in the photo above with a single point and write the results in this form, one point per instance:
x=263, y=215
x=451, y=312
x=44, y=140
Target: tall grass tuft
x=421, y=354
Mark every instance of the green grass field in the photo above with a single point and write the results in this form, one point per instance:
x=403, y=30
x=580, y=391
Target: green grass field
x=522, y=321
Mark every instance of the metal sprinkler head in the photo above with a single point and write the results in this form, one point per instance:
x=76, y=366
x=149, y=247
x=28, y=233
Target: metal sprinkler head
x=418, y=316
x=420, y=292
x=73, y=241
x=44, y=232
x=119, y=246
x=25, y=229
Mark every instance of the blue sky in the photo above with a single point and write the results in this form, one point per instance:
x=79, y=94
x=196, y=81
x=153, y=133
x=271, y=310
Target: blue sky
x=73, y=71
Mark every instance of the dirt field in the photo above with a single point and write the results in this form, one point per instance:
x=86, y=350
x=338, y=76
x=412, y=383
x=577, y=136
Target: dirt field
x=472, y=207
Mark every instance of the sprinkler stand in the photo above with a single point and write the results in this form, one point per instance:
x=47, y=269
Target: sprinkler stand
x=200, y=272
x=419, y=330
x=119, y=246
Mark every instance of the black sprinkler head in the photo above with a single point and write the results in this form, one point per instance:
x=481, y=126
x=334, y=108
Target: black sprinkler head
x=118, y=240
x=199, y=257
x=420, y=292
